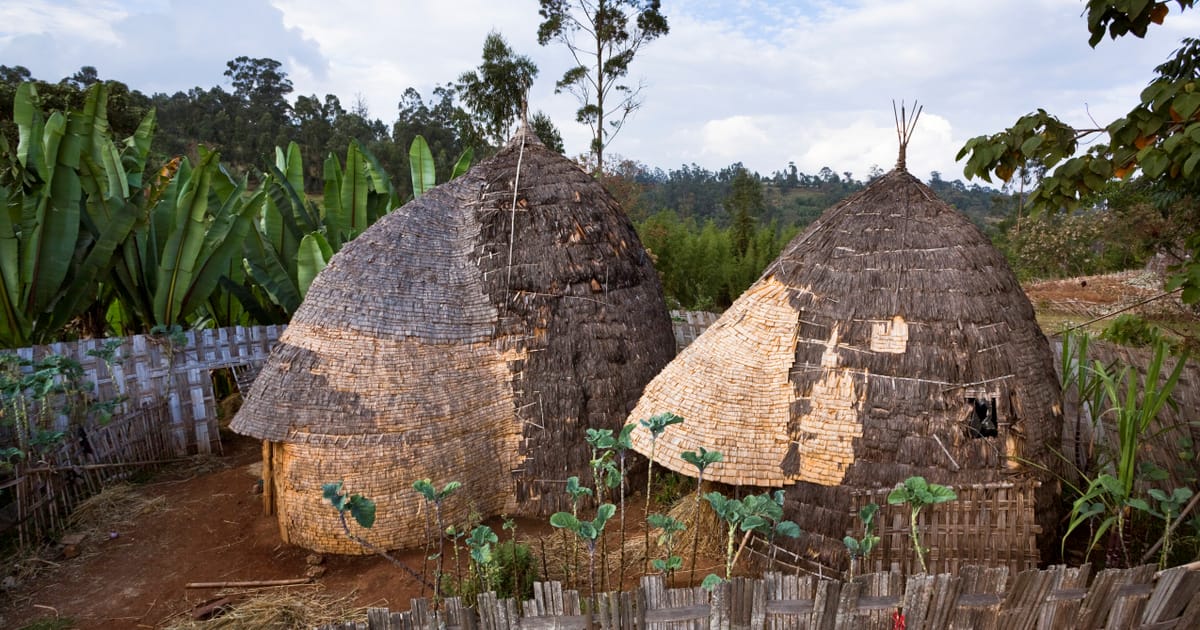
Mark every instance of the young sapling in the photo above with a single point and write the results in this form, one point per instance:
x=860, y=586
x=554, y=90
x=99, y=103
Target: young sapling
x=656, y=425
x=918, y=494
x=701, y=459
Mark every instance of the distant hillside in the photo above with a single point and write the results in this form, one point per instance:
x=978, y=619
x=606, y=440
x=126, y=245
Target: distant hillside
x=790, y=198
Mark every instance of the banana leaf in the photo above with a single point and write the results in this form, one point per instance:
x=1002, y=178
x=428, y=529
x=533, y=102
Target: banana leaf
x=222, y=241
x=463, y=163
x=270, y=272
x=28, y=119
x=183, y=247
x=354, y=193
x=133, y=159
x=333, y=201
x=421, y=164
x=314, y=254
x=50, y=221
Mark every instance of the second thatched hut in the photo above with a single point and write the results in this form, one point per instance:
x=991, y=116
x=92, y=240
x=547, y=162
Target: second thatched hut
x=472, y=335
x=890, y=339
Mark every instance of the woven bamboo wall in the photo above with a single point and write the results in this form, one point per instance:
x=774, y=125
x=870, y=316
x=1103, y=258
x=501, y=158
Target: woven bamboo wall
x=990, y=525
x=150, y=371
x=689, y=325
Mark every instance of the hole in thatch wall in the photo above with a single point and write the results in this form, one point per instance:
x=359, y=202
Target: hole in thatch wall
x=982, y=418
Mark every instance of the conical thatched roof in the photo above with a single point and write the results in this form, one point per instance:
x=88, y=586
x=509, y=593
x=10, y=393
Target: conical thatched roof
x=858, y=358
x=471, y=335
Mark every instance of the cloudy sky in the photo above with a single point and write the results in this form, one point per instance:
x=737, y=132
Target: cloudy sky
x=756, y=81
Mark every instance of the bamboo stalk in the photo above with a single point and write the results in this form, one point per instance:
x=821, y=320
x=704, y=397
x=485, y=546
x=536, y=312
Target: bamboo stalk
x=249, y=583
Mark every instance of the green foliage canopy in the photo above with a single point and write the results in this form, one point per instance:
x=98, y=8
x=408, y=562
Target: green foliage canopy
x=1160, y=136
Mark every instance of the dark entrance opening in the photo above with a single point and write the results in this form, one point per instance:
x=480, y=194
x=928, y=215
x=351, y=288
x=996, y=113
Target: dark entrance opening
x=981, y=421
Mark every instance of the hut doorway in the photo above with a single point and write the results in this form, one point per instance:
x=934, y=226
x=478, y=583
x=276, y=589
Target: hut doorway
x=982, y=422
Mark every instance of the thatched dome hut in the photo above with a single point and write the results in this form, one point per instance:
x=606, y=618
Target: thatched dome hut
x=889, y=339
x=472, y=335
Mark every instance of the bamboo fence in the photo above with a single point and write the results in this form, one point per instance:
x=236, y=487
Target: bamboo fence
x=974, y=598
x=41, y=494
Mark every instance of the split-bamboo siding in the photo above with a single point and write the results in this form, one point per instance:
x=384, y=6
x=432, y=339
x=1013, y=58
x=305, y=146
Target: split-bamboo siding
x=973, y=599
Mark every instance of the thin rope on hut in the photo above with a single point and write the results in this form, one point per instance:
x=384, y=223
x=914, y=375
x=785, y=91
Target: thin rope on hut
x=513, y=225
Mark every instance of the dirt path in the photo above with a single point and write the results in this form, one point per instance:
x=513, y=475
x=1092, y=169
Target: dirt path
x=203, y=522
x=208, y=527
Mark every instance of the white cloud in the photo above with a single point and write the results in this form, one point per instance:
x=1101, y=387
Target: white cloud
x=762, y=82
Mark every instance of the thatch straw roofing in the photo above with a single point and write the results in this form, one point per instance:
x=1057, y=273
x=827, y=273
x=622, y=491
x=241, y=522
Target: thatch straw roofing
x=853, y=361
x=472, y=335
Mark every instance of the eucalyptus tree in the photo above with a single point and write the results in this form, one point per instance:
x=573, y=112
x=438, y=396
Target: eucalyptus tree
x=603, y=37
x=495, y=92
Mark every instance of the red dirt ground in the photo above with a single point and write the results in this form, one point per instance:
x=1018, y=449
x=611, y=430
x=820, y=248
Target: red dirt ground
x=211, y=529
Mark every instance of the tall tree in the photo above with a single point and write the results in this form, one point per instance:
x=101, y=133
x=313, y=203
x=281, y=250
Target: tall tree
x=545, y=130
x=1159, y=137
x=744, y=203
x=495, y=92
x=263, y=120
x=603, y=37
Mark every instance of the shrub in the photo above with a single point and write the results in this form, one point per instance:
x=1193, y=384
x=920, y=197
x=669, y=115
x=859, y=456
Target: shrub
x=515, y=570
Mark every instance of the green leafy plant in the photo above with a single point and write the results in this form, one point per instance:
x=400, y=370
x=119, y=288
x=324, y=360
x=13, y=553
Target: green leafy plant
x=577, y=492
x=360, y=507
x=732, y=512
x=668, y=528
x=860, y=548
x=701, y=459
x=362, y=510
x=1167, y=508
x=72, y=197
x=1131, y=330
x=588, y=531
x=483, y=566
x=766, y=518
x=621, y=445
x=422, y=165
x=918, y=494
x=605, y=476
x=43, y=399
x=1109, y=496
x=757, y=513
x=656, y=425
x=515, y=570
x=435, y=498
x=1076, y=371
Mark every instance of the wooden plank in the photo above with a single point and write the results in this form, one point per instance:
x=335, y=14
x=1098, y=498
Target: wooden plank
x=1175, y=588
x=825, y=604
x=846, y=617
x=675, y=615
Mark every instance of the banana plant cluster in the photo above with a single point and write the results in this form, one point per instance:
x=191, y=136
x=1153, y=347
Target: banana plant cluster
x=81, y=232
x=68, y=204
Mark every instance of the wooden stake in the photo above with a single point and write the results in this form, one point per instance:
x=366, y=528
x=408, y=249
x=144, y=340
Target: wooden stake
x=248, y=584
